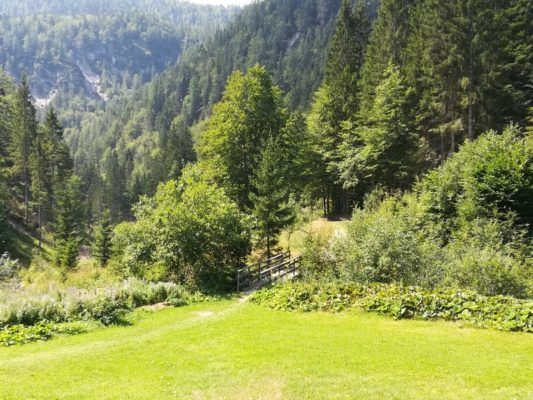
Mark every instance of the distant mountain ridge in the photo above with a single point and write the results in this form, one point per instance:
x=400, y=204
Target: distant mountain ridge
x=87, y=48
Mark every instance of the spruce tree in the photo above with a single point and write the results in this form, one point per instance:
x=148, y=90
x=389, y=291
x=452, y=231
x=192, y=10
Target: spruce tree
x=456, y=60
x=387, y=154
x=178, y=148
x=4, y=214
x=67, y=227
x=101, y=245
x=21, y=145
x=389, y=37
x=337, y=100
x=270, y=198
x=41, y=176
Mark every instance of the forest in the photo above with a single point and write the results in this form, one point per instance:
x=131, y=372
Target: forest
x=386, y=145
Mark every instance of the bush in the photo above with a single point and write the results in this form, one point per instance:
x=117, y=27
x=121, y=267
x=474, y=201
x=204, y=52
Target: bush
x=385, y=246
x=107, y=305
x=489, y=257
x=190, y=232
x=19, y=334
x=491, y=177
x=463, y=226
x=499, y=312
x=8, y=267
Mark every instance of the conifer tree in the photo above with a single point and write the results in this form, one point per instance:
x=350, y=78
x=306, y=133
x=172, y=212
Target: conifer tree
x=60, y=163
x=336, y=100
x=178, y=148
x=67, y=227
x=270, y=198
x=456, y=61
x=388, y=146
x=101, y=246
x=387, y=41
x=40, y=166
x=21, y=145
x=4, y=214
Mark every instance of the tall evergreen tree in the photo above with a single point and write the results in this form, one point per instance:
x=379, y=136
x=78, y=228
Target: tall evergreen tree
x=519, y=68
x=178, y=148
x=21, y=145
x=101, y=245
x=68, y=223
x=270, y=198
x=337, y=99
x=4, y=214
x=388, y=146
x=456, y=61
x=387, y=42
x=40, y=176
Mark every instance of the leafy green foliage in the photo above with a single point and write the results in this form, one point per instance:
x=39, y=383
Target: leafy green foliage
x=463, y=226
x=105, y=305
x=20, y=334
x=8, y=267
x=4, y=214
x=337, y=99
x=250, y=113
x=491, y=177
x=382, y=149
x=189, y=231
x=498, y=312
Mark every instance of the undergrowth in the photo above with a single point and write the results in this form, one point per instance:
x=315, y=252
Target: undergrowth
x=498, y=312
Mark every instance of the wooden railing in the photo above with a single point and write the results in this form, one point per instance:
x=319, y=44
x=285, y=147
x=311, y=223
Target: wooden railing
x=266, y=272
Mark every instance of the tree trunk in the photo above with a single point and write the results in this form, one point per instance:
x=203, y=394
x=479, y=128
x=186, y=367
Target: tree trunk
x=470, y=77
x=26, y=194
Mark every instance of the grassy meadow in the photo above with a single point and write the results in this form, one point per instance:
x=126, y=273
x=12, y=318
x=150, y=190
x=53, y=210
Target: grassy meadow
x=233, y=349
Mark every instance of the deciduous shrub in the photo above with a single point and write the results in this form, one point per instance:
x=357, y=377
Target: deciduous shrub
x=462, y=227
x=189, y=232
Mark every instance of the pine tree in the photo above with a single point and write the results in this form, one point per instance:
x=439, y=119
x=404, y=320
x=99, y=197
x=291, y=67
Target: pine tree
x=60, y=163
x=41, y=176
x=519, y=66
x=270, y=198
x=4, y=214
x=178, y=148
x=101, y=246
x=456, y=61
x=67, y=227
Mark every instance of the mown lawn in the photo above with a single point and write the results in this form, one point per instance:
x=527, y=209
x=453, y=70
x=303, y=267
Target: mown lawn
x=236, y=350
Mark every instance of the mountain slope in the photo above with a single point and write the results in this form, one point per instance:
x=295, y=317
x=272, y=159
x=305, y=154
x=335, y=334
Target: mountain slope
x=96, y=49
x=289, y=37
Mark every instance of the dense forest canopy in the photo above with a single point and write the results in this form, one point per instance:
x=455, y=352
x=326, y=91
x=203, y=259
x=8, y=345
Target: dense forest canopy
x=78, y=55
x=412, y=117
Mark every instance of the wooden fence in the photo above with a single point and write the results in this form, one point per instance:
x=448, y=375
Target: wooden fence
x=268, y=271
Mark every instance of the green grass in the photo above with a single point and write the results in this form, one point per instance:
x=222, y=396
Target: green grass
x=234, y=350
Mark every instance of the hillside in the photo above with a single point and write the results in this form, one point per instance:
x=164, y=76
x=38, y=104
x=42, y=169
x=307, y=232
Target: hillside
x=97, y=50
x=294, y=199
x=290, y=38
